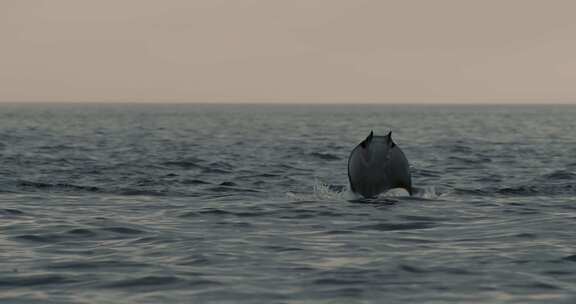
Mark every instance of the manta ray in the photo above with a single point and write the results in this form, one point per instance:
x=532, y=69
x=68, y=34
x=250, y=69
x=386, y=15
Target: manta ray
x=377, y=165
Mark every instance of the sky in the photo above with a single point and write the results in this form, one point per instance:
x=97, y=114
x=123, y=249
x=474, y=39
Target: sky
x=288, y=51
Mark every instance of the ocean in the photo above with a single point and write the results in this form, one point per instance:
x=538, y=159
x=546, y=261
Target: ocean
x=250, y=204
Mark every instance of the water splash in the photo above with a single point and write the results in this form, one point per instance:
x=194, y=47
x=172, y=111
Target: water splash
x=326, y=192
x=427, y=192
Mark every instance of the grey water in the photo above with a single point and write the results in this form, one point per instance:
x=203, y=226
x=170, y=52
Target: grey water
x=249, y=204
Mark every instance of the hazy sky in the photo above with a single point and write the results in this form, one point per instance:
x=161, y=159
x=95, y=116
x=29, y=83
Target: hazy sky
x=288, y=50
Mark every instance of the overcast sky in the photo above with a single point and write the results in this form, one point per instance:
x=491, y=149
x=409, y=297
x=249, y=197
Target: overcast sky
x=288, y=51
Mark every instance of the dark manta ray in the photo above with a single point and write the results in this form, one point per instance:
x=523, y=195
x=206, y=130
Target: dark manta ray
x=377, y=165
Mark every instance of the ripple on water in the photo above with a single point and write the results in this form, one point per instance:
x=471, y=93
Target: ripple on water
x=226, y=189
x=48, y=238
x=153, y=282
x=549, y=188
x=434, y=270
x=195, y=182
x=300, y=214
x=21, y=280
x=195, y=260
x=211, y=170
x=339, y=281
x=64, y=187
x=145, y=282
x=223, y=213
x=78, y=234
x=325, y=156
x=185, y=164
x=94, y=265
x=560, y=175
x=281, y=249
x=539, y=189
x=83, y=232
x=9, y=212
x=123, y=230
x=397, y=226
x=142, y=192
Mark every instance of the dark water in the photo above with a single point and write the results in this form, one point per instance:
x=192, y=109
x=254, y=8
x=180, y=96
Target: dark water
x=247, y=204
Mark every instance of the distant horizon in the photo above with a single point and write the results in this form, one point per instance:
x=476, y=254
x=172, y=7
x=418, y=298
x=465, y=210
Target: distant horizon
x=284, y=103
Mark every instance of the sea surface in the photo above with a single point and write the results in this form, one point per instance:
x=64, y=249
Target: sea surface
x=250, y=204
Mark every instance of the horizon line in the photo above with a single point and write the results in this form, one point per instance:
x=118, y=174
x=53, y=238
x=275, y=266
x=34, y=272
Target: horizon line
x=291, y=103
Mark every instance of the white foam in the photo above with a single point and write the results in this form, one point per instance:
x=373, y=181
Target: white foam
x=428, y=192
x=322, y=192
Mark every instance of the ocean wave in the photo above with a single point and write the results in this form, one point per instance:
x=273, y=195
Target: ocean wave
x=559, y=182
x=56, y=186
x=325, y=156
x=11, y=212
x=35, y=280
x=559, y=175
x=94, y=265
x=397, y=226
